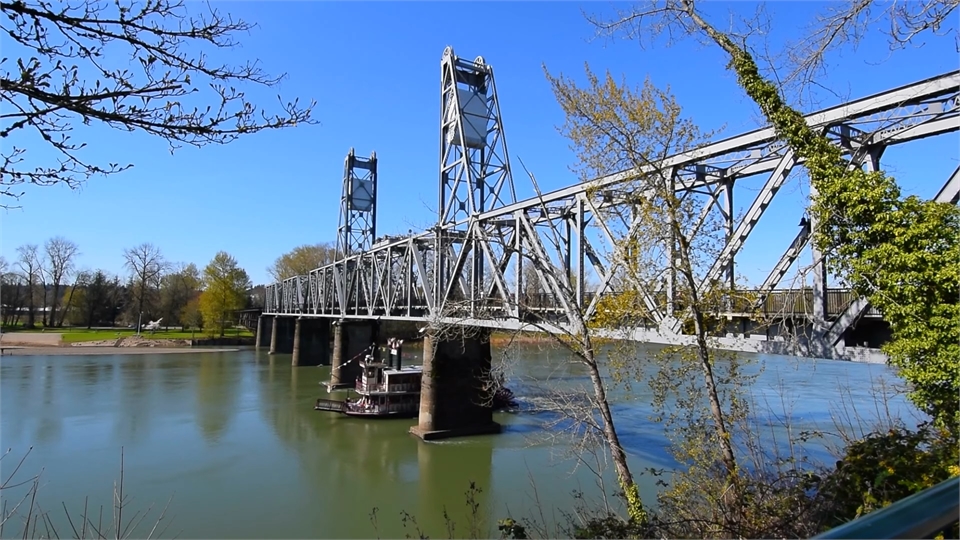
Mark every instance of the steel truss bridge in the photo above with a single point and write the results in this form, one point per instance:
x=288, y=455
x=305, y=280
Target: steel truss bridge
x=497, y=262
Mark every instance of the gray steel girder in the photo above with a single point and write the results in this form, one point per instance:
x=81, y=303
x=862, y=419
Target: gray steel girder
x=458, y=269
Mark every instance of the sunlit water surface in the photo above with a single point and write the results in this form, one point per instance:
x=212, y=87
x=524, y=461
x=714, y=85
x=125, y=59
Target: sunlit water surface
x=233, y=439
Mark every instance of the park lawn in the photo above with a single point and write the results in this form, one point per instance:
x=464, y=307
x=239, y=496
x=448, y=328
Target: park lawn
x=76, y=336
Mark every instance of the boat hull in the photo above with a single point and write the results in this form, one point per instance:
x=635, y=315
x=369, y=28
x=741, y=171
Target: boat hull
x=398, y=414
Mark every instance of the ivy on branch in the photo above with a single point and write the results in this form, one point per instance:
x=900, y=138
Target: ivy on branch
x=901, y=253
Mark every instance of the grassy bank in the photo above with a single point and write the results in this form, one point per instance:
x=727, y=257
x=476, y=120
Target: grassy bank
x=80, y=334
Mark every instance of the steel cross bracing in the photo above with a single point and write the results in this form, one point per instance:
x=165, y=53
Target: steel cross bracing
x=567, y=228
x=358, y=205
x=474, y=171
x=474, y=164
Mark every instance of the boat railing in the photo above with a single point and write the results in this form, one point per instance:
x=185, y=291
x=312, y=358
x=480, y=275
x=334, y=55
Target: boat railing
x=380, y=387
x=329, y=405
x=369, y=387
x=381, y=409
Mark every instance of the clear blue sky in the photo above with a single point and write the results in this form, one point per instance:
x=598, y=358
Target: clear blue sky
x=374, y=70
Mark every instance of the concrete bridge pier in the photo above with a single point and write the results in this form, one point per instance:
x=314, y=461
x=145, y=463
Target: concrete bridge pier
x=281, y=335
x=263, y=338
x=454, y=401
x=311, y=342
x=350, y=343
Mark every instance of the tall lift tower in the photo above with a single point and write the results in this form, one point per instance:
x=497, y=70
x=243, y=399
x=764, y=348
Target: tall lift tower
x=474, y=165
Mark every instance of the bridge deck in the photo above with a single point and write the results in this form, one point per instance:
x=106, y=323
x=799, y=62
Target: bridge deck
x=471, y=268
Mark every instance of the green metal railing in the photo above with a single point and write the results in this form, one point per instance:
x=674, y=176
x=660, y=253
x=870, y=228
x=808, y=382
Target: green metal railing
x=921, y=515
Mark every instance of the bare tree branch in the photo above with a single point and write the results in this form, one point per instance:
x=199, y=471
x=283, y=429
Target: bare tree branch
x=59, y=74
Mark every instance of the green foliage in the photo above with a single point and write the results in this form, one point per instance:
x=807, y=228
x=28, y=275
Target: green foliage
x=301, y=260
x=635, y=509
x=101, y=301
x=619, y=310
x=191, y=315
x=176, y=290
x=225, y=286
x=886, y=467
x=613, y=127
x=609, y=526
x=510, y=528
x=79, y=336
x=656, y=234
x=76, y=315
x=902, y=253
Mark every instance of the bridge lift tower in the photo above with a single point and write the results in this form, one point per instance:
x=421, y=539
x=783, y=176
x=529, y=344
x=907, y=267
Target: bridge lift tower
x=358, y=205
x=475, y=171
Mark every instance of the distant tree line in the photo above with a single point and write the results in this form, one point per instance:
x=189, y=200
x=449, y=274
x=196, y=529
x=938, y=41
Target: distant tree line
x=45, y=287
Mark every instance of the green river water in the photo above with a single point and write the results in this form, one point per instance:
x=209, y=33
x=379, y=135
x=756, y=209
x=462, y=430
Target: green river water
x=233, y=439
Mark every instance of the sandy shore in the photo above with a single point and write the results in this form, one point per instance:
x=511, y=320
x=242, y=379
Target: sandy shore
x=87, y=351
x=31, y=339
x=50, y=344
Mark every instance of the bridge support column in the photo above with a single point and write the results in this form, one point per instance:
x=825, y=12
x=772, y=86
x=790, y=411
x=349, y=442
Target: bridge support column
x=281, y=335
x=273, y=335
x=256, y=340
x=454, y=401
x=311, y=342
x=351, y=340
x=263, y=337
x=295, y=359
x=336, y=356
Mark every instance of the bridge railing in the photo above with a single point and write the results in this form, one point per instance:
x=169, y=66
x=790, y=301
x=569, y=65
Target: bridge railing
x=301, y=295
x=786, y=302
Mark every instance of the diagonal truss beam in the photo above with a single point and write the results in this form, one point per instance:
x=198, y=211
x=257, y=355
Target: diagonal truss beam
x=467, y=258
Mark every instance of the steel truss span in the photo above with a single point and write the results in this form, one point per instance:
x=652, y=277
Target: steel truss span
x=468, y=269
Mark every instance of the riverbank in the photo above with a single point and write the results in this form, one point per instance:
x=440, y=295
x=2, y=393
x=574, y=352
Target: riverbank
x=99, y=350
x=510, y=338
x=31, y=344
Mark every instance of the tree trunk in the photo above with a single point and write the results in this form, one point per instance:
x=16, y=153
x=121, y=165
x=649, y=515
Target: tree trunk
x=730, y=495
x=617, y=454
x=43, y=303
x=609, y=431
x=31, y=306
x=53, y=305
x=68, y=303
x=140, y=304
x=703, y=352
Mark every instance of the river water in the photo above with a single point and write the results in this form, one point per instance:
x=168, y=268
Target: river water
x=233, y=439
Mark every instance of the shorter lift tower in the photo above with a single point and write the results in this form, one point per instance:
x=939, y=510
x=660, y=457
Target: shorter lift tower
x=358, y=205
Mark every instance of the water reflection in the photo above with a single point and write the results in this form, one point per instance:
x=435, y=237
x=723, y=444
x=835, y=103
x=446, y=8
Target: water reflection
x=445, y=479
x=235, y=435
x=89, y=375
x=26, y=377
x=353, y=465
x=135, y=399
x=51, y=423
x=176, y=373
x=217, y=391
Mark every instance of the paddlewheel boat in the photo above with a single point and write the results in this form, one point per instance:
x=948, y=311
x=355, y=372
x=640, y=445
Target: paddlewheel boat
x=390, y=390
x=385, y=390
